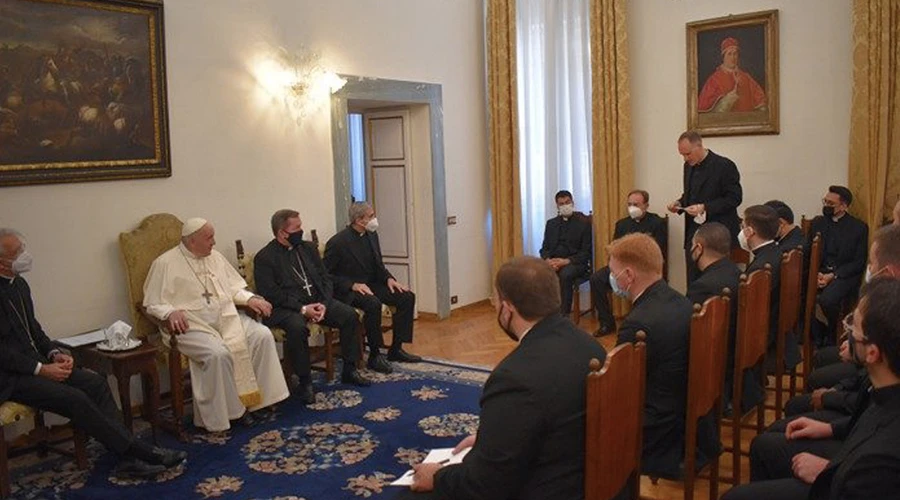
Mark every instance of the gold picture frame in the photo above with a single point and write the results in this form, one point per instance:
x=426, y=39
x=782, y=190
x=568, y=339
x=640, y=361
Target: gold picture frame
x=732, y=70
x=82, y=91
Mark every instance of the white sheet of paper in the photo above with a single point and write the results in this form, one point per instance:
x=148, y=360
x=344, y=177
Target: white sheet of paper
x=84, y=339
x=436, y=455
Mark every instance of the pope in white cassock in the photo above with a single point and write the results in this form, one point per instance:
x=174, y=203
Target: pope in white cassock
x=234, y=364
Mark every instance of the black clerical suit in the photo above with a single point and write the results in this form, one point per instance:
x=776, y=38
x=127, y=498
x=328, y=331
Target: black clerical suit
x=569, y=238
x=353, y=257
x=719, y=275
x=792, y=240
x=650, y=224
x=844, y=252
x=770, y=253
x=865, y=467
x=530, y=441
x=279, y=273
x=665, y=316
x=84, y=397
x=716, y=183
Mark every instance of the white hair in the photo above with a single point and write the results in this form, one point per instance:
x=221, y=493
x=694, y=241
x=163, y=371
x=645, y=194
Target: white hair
x=8, y=231
x=358, y=210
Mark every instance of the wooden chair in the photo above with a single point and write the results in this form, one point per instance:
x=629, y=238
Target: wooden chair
x=788, y=319
x=805, y=225
x=815, y=261
x=740, y=256
x=614, y=415
x=706, y=380
x=751, y=341
x=139, y=248
x=323, y=340
x=14, y=412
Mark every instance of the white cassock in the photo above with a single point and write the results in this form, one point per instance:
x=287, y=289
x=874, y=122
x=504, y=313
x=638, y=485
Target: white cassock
x=234, y=364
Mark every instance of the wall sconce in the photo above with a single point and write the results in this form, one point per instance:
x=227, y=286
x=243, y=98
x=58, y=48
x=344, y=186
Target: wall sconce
x=299, y=80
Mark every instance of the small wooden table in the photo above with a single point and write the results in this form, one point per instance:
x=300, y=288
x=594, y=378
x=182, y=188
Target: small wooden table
x=122, y=365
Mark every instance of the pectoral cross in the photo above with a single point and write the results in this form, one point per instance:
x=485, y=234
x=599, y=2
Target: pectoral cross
x=206, y=295
x=308, y=287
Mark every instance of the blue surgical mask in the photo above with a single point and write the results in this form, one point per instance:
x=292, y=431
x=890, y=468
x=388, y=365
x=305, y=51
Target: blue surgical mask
x=614, y=284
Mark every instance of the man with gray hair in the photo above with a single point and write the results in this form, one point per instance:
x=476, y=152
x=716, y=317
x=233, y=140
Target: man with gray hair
x=37, y=373
x=353, y=257
x=234, y=364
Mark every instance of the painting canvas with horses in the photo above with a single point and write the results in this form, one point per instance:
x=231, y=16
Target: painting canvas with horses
x=82, y=91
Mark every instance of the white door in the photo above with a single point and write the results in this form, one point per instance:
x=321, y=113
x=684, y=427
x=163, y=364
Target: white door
x=389, y=172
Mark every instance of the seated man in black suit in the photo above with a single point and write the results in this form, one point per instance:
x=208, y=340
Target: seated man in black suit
x=867, y=464
x=36, y=373
x=758, y=231
x=567, y=247
x=639, y=220
x=635, y=266
x=844, y=240
x=289, y=273
x=353, y=258
x=530, y=441
x=790, y=236
x=711, y=250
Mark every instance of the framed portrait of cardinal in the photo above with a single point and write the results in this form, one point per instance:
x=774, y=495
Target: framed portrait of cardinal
x=732, y=69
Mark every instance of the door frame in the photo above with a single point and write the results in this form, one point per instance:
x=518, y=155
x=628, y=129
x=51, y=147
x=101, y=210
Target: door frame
x=396, y=91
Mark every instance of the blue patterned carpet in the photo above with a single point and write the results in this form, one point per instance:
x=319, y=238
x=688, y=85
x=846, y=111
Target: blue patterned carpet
x=349, y=444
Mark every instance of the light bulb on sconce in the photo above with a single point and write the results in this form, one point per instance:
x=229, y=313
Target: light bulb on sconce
x=299, y=80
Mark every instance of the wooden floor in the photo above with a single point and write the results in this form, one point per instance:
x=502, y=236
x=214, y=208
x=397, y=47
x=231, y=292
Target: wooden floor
x=471, y=336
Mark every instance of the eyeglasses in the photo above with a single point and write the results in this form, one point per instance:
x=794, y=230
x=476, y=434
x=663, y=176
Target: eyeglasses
x=848, y=330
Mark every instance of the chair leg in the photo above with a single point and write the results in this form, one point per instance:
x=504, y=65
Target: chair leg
x=576, y=305
x=329, y=356
x=176, y=379
x=5, y=481
x=690, y=451
x=80, y=440
x=736, y=428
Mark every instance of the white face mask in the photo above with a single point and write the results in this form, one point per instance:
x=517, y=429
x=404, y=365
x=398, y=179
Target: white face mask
x=566, y=210
x=372, y=226
x=23, y=263
x=742, y=240
x=635, y=212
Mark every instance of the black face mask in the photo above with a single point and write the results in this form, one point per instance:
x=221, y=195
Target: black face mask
x=828, y=211
x=851, y=346
x=506, y=329
x=295, y=238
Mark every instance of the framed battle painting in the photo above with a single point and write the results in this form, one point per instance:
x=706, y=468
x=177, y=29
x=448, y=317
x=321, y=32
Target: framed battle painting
x=732, y=71
x=82, y=91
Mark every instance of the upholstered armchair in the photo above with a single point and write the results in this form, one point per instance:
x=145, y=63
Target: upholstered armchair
x=11, y=413
x=140, y=247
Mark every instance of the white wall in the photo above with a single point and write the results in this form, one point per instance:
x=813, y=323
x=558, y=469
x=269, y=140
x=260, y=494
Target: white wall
x=815, y=75
x=237, y=158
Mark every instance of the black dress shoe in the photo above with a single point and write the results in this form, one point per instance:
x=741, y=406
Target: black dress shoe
x=306, y=394
x=402, y=356
x=604, y=330
x=133, y=468
x=355, y=378
x=379, y=363
x=246, y=420
x=168, y=458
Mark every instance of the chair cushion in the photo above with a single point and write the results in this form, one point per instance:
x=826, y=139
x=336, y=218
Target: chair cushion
x=13, y=412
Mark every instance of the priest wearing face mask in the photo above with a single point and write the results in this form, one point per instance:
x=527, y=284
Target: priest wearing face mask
x=289, y=273
x=639, y=220
x=844, y=240
x=790, y=236
x=635, y=266
x=353, y=258
x=567, y=247
x=35, y=372
x=758, y=232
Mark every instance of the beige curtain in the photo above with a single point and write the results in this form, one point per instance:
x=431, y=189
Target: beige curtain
x=506, y=207
x=874, y=166
x=611, y=121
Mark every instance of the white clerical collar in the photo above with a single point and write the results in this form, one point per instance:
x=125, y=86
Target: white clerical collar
x=187, y=253
x=838, y=217
x=762, y=245
x=524, y=334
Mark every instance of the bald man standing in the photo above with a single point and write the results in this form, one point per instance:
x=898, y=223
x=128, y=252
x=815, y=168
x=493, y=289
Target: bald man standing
x=234, y=364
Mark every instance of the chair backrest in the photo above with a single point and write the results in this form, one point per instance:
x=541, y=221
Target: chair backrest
x=791, y=287
x=805, y=225
x=139, y=248
x=614, y=421
x=754, y=293
x=815, y=262
x=708, y=351
x=740, y=256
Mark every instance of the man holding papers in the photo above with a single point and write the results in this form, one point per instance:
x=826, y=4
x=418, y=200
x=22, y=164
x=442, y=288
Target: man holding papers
x=530, y=442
